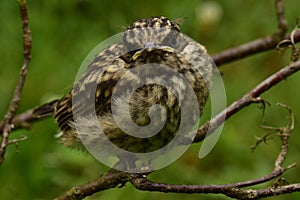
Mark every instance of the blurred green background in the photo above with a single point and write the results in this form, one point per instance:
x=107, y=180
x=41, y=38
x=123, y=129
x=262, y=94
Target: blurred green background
x=64, y=32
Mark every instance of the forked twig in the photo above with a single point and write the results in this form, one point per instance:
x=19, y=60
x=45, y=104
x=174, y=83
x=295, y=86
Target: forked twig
x=14, y=104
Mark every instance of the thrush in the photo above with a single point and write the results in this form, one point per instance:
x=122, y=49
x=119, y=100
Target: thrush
x=147, y=43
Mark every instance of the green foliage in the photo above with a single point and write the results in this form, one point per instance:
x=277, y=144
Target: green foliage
x=63, y=34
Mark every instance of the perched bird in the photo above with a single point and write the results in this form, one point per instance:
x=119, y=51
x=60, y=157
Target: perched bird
x=145, y=44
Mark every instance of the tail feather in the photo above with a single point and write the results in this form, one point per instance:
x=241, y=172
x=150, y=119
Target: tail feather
x=45, y=110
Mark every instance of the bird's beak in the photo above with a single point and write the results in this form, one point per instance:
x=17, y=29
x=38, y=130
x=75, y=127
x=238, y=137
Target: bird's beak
x=150, y=46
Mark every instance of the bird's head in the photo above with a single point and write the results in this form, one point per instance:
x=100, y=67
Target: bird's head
x=151, y=33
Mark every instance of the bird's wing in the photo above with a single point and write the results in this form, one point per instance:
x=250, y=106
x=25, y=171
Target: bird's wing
x=92, y=91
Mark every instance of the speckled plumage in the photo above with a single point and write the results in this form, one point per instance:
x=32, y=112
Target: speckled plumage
x=152, y=40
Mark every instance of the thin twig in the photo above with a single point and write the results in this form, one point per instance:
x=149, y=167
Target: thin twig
x=16, y=141
x=14, y=104
x=281, y=21
x=284, y=134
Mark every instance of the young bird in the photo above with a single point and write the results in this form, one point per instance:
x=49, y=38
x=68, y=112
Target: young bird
x=145, y=44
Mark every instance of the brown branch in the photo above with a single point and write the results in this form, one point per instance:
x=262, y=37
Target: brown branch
x=231, y=190
x=142, y=183
x=114, y=178
x=14, y=104
x=250, y=97
x=247, y=49
x=259, y=45
x=110, y=179
x=268, y=192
